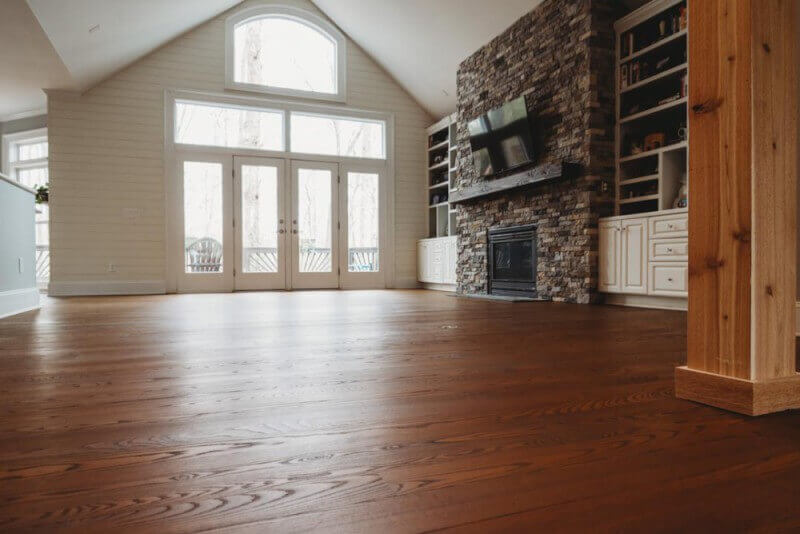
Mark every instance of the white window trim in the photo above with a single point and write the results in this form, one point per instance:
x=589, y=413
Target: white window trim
x=9, y=165
x=298, y=15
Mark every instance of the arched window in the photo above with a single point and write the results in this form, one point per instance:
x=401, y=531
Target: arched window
x=286, y=51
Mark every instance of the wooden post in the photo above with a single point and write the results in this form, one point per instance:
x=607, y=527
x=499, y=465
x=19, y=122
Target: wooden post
x=743, y=95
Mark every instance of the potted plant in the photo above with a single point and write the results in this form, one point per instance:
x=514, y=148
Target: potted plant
x=42, y=193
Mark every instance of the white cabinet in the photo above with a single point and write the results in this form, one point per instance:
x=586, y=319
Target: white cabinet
x=644, y=255
x=634, y=256
x=610, y=264
x=423, y=260
x=436, y=260
x=450, y=260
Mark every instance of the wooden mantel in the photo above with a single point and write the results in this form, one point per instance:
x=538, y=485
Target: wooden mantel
x=529, y=177
x=743, y=102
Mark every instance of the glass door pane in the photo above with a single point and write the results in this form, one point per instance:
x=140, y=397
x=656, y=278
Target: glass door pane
x=259, y=219
x=202, y=217
x=315, y=225
x=314, y=221
x=259, y=195
x=363, y=225
x=203, y=252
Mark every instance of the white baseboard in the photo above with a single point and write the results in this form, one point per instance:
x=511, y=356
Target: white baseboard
x=406, y=283
x=451, y=288
x=91, y=289
x=18, y=301
x=647, y=301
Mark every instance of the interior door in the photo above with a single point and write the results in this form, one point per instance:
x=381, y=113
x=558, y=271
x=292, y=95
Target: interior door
x=314, y=225
x=206, y=229
x=260, y=200
x=361, y=204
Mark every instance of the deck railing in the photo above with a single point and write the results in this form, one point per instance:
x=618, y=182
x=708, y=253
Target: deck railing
x=312, y=260
x=42, y=264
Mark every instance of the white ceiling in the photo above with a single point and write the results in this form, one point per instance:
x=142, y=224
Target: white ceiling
x=419, y=42
x=422, y=42
x=27, y=62
x=95, y=38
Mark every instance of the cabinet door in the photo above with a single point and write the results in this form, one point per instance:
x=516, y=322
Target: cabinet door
x=450, y=251
x=436, y=262
x=423, y=261
x=634, y=256
x=610, y=268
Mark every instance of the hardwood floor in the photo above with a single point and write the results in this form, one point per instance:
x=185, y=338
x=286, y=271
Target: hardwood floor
x=390, y=411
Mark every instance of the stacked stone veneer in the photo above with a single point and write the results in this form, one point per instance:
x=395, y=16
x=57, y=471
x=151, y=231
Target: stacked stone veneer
x=561, y=55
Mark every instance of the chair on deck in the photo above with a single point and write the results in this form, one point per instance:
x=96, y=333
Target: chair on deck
x=205, y=256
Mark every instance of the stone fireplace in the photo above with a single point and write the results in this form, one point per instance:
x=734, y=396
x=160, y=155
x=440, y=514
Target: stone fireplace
x=561, y=57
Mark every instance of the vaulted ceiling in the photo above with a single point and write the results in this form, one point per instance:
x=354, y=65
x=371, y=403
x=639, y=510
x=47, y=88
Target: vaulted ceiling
x=60, y=44
x=422, y=42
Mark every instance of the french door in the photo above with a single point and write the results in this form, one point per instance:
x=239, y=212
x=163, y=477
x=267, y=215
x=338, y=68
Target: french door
x=260, y=223
x=278, y=224
x=315, y=225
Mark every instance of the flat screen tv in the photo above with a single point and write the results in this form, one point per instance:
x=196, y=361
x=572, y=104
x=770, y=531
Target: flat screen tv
x=501, y=140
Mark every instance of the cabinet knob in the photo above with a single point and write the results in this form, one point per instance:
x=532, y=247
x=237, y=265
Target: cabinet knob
x=281, y=231
x=670, y=279
x=669, y=250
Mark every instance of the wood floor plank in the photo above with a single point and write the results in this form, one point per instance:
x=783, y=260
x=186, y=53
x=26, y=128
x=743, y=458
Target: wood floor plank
x=376, y=411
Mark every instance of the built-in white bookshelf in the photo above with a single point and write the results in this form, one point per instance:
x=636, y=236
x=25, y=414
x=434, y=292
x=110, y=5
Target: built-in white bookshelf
x=652, y=107
x=441, y=173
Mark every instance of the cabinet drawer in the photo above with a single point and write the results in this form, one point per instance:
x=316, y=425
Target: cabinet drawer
x=669, y=250
x=669, y=226
x=669, y=279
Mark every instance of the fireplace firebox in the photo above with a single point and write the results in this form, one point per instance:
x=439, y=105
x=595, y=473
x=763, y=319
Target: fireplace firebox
x=511, y=258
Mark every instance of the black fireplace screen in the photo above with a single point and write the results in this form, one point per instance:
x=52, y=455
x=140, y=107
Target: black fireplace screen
x=512, y=261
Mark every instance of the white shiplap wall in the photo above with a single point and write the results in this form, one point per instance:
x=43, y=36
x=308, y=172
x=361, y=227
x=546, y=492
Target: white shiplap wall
x=107, y=162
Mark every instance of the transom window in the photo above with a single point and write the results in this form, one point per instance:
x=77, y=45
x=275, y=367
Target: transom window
x=286, y=51
x=234, y=126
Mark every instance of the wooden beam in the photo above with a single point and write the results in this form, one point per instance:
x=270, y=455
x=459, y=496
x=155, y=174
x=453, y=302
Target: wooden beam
x=742, y=214
x=774, y=187
x=719, y=170
x=529, y=177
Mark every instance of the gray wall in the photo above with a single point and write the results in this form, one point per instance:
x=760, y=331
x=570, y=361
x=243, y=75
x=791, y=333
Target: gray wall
x=17, y=238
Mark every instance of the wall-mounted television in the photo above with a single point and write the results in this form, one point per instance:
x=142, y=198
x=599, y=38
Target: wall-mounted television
x=501, y=140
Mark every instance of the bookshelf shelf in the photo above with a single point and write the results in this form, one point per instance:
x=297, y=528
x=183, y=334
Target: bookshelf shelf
x=652, y=46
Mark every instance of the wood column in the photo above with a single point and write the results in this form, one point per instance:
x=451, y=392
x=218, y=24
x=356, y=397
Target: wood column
x=743, y=95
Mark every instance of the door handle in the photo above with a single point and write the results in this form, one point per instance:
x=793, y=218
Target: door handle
x=281, y=231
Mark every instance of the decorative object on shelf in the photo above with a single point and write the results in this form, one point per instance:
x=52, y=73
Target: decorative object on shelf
x=682, y=198
x=636, y=147
x=684, y=85
x=438, y=159
x=635, y=73
x=623, y=77
x=684, y=21
x=683, y=132
x=675, y=23
x=662, y=28
x=653, y=141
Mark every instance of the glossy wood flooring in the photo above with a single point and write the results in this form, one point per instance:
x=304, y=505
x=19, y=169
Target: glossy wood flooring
x=378, y=412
